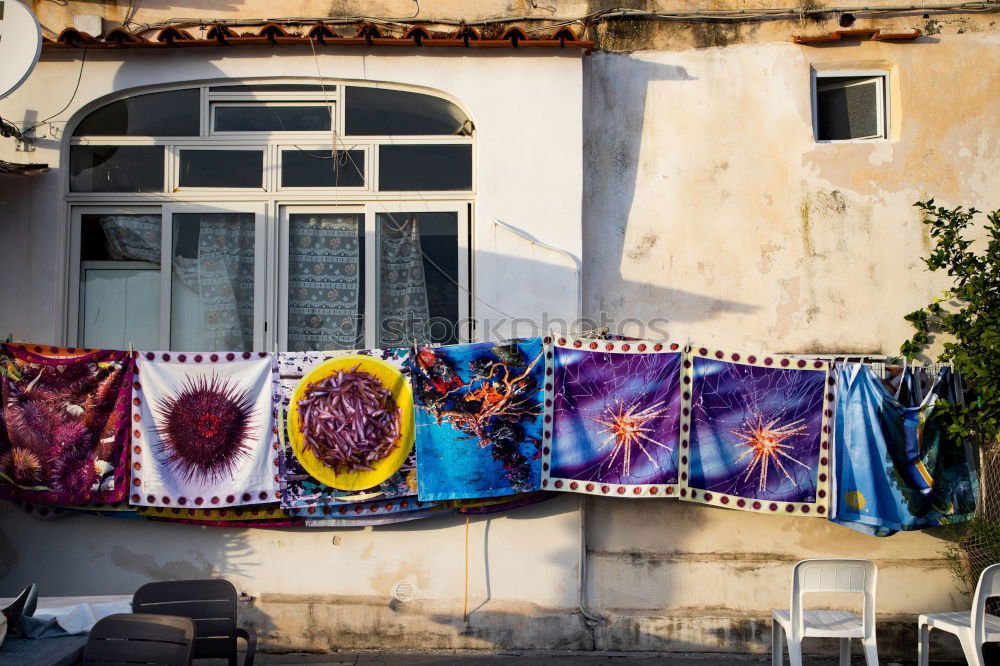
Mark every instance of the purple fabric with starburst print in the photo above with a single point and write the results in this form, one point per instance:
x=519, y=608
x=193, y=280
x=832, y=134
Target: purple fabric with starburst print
x=205, y=434
x=614, y=417
x=759, y=432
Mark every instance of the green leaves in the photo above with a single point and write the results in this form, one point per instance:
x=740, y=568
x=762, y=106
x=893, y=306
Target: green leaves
x=970, y=254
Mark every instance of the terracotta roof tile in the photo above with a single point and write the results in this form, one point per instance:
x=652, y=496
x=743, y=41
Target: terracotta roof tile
x=874, y=35
x=271, y=34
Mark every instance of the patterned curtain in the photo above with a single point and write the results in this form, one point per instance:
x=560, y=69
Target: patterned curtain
x=324, y=278
x=404, y=313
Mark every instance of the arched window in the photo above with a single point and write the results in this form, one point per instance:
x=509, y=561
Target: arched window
x=278, y=215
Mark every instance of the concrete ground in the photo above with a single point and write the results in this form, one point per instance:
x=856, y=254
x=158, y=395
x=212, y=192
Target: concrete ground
x=534, y=658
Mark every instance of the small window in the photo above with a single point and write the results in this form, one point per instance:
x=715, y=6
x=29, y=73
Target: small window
x=372, y=111
x=304, y=167
x=850, y=107
x=173, y=113
x=407, y=168
x=271, y=118
x=116, y=168
x=222, y=168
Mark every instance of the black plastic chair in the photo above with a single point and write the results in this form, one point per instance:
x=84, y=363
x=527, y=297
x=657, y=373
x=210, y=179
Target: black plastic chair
x=211, y=604
x=23, y=605
x=126, y=638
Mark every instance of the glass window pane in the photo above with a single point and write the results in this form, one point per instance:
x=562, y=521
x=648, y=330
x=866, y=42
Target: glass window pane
x=847, y=108
x=418, y=278
x=172, y=113
x=119, y=281
x=297, y=118
x=222, y=168
x=319, y=168
x=116, y=168
x=398, y=112
x=212, y=284
x=325, y=281
x=409, y=168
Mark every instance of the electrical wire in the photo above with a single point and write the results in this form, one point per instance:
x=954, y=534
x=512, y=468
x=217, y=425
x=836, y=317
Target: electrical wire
x=76, y=88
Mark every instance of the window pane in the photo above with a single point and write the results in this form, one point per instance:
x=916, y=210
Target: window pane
x=325, y=282
x=222, y=168
x=298, y=118
x=381, y=111
x=409, y=168
x=119, y=281
x=847, y=109
x=418, y=278
x=172, y=113
x=212, y=285
x=318, y=168
x=116, y=168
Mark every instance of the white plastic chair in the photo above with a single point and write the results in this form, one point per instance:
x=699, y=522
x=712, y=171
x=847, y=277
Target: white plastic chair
x=827, y=575
x=973, y=628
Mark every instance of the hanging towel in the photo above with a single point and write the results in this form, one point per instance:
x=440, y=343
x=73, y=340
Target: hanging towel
x=896, y=466
x=615, y=411
x=478, y=415
x=205, y=433
x=756, y=434
x=65, y=433
x=300, y=490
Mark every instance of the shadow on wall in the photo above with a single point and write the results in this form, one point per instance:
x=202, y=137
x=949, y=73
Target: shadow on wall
x=614, y=91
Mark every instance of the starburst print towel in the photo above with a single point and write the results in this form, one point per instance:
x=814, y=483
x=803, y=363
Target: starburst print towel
x=755, y=433
x=612, y=412
x=204, y=429
x=64, y=424
x=478, y=414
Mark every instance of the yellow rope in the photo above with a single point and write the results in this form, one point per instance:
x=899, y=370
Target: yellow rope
x=465, y=607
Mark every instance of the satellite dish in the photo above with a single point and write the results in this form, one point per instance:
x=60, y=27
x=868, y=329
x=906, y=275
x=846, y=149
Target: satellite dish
x=20, y=45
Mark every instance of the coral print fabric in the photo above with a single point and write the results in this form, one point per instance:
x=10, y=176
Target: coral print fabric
x=204, y=430
x=478, y=414
x=614, y=410
x=299, y=490
x=756, y=432
x=64, y=434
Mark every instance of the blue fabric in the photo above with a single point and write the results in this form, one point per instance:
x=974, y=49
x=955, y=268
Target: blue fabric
x=895, y=465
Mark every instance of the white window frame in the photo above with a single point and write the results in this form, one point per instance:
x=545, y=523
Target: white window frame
x=882, y=101
x=270, y=203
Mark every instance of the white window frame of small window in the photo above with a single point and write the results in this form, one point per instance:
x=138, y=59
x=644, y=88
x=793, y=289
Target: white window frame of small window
x=271, y=196
x=882, y=100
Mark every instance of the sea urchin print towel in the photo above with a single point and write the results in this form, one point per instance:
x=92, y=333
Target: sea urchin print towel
x=613, y=413
x=205, y=434
x=299, y=490
x=64, y=435
x=756, y=432
x=478, y=414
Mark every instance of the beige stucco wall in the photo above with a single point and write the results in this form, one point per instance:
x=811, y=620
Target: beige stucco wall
x=706, y=202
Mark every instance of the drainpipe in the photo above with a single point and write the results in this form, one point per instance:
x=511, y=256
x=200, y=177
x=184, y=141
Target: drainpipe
x=591, y=619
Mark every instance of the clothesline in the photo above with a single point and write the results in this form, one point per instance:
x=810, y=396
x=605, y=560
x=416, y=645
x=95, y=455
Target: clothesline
x=219, y=437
